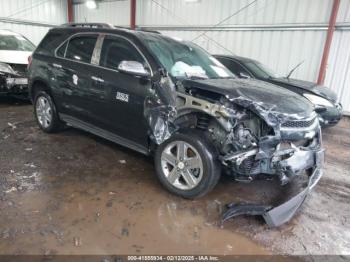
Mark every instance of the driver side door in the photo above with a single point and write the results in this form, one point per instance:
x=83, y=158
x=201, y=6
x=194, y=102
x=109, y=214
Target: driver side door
x=122, y=112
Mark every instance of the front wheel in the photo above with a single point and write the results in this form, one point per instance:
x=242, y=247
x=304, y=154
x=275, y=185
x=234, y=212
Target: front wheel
x=187, y=165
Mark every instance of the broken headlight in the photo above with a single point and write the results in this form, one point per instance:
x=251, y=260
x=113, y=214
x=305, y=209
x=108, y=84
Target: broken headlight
x=5, y=68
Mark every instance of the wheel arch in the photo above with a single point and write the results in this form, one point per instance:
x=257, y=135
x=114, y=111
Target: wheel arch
x=38, y=84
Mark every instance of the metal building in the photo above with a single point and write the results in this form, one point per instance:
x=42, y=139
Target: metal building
x=279, y=33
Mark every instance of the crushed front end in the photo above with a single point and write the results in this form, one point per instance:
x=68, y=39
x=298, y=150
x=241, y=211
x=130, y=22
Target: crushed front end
x=256, y=139
x=258, y=130
x=285, y=151
x=13, y=79
x=278, y=145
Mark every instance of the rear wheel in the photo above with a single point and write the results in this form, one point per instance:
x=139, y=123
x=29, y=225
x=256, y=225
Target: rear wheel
x=187, y=164
x=45, y=113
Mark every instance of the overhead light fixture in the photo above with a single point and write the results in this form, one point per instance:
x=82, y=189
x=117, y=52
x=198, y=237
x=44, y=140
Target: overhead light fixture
x=91, y=4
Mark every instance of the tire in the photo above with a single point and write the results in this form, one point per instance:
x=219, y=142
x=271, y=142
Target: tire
x=48, y=121
x=199, y=170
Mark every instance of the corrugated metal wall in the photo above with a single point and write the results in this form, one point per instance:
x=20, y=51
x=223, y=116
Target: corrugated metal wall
x=279, y=33
x=115, y=13
x=209, y=12
x=32, y=18
x=251, y=32
x=338, y=68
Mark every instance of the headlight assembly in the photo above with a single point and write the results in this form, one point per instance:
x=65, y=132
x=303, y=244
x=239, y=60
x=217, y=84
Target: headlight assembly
x=5, y=68
x=317, y=100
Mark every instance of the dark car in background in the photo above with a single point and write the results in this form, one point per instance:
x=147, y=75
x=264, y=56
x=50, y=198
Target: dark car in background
x=15, y=50
x=324, y=99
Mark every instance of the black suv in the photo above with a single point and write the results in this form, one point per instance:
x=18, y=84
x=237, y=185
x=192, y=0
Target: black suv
x=163, y=96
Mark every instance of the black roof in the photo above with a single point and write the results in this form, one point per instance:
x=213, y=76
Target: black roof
x=101, y=27
x=238, y=58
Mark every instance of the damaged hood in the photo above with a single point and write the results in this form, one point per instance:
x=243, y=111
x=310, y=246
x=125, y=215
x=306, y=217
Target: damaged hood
x=248, y=92
x=308, y=86
x=14, y=57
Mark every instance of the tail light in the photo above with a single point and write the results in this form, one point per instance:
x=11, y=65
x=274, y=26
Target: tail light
x=30, y=59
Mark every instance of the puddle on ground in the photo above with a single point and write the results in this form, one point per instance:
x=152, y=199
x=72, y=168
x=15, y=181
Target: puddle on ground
x=80, y=218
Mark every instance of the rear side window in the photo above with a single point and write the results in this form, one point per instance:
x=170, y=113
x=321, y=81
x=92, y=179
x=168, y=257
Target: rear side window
x=116, y=49
x=80, y=48
x=50, y=43
x=62, y=50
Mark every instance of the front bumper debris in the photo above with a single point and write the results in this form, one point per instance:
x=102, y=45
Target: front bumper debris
x=13, y=84
x=276, y=216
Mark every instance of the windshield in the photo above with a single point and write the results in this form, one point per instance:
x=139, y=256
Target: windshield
x=260, y=70
x=185, y=60
x=15, y=43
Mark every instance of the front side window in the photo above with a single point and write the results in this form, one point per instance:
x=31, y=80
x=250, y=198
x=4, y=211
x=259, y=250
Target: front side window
x=80, y=48
x=184, y=59
x=115, y=50
x=15, y=43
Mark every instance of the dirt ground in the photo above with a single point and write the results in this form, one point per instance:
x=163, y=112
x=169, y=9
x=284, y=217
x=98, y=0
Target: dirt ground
x=74, y=193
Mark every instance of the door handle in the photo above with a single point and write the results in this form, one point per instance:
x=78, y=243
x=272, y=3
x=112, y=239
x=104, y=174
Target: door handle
x=97, y=79
x=56, y=65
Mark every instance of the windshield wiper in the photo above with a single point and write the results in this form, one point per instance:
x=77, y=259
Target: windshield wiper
x=196, y=77
x=223, y=77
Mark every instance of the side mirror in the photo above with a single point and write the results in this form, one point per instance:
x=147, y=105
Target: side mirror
x=133, y=68
x=244, y=75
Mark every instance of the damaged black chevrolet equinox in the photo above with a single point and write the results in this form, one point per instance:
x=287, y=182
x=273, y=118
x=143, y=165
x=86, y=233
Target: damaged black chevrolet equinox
x=163, y=96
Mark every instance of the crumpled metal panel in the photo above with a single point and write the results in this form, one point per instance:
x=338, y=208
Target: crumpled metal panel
x=160, y=109
x=274, y=216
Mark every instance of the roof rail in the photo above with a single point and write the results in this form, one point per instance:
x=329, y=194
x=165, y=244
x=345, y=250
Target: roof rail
x=122, y=27
x=147, y=30
x=89, y=25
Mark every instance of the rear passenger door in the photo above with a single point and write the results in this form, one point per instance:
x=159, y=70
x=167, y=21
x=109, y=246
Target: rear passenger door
x=74, y=72
x=123, y=112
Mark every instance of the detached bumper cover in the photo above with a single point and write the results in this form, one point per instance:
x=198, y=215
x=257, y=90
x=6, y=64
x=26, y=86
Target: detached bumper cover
x=283, y=213
x=11, y=84
x=276, y=216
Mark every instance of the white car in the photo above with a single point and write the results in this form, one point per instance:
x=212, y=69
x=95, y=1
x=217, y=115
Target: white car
x=15, y=50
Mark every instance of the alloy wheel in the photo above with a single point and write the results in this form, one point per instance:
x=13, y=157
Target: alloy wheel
x=182, y=165
x=43, y=111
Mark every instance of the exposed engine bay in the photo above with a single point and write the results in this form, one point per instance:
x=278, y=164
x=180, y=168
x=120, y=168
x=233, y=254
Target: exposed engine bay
x=247, y=146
